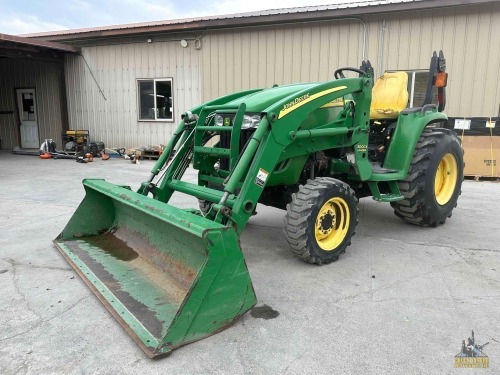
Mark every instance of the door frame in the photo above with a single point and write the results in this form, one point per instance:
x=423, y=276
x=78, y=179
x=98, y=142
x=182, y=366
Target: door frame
x=18, y=112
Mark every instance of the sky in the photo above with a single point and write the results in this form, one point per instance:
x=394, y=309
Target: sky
x=31, y=16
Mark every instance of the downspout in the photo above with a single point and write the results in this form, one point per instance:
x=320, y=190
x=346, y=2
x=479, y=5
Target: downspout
x=364, y=38
x=363, y=52
x=381, y=49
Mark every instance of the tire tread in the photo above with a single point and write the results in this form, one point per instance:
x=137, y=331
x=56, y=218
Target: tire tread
x=299, y=211
x=414, y=209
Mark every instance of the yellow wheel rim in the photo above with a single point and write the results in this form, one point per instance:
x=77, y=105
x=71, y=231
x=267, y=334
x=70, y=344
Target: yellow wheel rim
x=446, y=179
x=332, y=224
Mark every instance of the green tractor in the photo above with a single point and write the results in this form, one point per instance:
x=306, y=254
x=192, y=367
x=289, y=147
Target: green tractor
x=171, y=276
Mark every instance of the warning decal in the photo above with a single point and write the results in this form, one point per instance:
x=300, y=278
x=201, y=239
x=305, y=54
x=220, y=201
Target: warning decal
x=261, y=178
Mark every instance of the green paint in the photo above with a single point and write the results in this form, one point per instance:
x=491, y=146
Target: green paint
x=188, y=281
x=172, y=276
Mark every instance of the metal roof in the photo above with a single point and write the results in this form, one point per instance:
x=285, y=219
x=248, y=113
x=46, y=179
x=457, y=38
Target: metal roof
x=16, y=46
x=296, y=14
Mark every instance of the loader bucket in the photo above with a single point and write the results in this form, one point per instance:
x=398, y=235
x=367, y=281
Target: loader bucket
x=168, y=276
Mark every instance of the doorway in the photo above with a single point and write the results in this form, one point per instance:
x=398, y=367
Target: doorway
x=26, y=102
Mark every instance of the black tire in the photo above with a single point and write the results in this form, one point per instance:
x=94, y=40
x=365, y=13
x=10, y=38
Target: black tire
x=422, y=204
x=303, y=216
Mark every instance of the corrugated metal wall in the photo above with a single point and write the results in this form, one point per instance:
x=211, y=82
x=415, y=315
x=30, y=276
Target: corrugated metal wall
x=112, y=118
x=45, y=77
x=239, y=59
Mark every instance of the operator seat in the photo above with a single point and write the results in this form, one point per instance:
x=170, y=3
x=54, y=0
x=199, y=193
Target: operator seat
x=389, y=96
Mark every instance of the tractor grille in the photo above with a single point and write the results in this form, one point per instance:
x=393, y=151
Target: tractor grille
x=225, y=142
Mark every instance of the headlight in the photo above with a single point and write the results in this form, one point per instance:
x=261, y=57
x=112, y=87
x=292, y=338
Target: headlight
x=218, y=120
x=250, y=121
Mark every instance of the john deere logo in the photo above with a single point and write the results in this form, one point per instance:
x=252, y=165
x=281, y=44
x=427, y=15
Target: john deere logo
x=471, y=355
x=227, y=121
x=296, y=101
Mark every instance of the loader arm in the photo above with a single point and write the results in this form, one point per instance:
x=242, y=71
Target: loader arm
x=181, y=131
x=277, y=137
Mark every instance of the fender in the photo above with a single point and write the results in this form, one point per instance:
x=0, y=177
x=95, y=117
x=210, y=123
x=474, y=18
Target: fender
x=411, y=123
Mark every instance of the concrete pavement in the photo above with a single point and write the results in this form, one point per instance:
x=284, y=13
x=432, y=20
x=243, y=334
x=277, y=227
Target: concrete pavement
x=400, y=301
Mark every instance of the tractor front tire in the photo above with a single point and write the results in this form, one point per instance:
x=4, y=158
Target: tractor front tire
x=321, y=219
x=434, y=180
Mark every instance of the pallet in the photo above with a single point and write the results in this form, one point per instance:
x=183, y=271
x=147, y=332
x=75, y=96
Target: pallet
x=150, y=155
x=482, y=178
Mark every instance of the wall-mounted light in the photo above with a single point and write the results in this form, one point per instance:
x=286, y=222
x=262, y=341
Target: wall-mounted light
x=184, y=43
x=149, y=40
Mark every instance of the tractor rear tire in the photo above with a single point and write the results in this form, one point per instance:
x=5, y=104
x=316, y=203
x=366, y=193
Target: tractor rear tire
x=434, y=180
x=321, y=219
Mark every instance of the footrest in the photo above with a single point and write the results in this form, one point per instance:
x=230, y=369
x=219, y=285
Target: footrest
x=394, y=195
x=378, y=169
x=389, y=198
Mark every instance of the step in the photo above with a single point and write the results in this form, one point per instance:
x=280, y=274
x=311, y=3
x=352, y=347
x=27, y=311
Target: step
x=389, y=198
x=378, y=169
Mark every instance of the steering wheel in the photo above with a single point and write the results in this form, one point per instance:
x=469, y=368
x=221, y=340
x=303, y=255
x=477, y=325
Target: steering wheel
x=339, y=73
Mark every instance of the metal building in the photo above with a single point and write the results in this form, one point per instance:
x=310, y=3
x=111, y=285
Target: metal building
x=32, y=92
x=130, y=83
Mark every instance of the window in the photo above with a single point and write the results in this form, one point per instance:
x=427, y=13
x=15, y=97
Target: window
x=155, y=99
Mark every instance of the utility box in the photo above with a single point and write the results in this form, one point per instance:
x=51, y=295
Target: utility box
x=479, y=158
x=481, y=143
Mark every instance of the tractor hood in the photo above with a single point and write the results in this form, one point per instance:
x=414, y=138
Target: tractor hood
x=259, y=101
